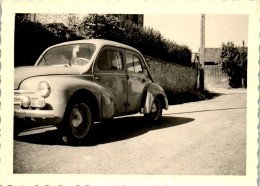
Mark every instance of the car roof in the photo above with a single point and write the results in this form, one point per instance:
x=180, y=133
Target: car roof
x=99, y=42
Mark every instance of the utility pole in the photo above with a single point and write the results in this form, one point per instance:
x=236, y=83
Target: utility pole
x=243, y=81
x=202, y=41
x=202, y=53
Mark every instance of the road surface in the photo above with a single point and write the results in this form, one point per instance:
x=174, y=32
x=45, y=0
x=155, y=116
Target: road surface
x=198, y=138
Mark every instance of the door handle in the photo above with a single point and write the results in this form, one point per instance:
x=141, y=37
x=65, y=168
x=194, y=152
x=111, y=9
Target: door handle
x=98, y=78
x=143, y=80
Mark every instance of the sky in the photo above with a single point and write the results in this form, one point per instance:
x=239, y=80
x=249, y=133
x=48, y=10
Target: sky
x=185, y=28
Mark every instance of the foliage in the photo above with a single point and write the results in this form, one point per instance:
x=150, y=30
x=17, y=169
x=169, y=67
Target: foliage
x=147, y=40
x=32, y=38
x=60, y=31
x=95, y=26
x=107, y=26
x=233, y=61
x=74, y=21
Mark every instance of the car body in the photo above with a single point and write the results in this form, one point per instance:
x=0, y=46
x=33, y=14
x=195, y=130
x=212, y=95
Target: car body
x=110, y=78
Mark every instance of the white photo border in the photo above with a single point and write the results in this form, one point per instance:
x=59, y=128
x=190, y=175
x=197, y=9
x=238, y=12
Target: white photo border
x=10, y=8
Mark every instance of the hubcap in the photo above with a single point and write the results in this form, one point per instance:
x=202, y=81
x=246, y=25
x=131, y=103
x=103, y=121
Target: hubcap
x=80, y=119
x=76, y=119
x=155, y=110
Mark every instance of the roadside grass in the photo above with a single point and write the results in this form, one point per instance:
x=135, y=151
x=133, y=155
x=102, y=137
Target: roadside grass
x=190, y=96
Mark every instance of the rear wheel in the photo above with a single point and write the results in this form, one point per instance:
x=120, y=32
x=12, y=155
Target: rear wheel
x=77, y=122
x=156, y=111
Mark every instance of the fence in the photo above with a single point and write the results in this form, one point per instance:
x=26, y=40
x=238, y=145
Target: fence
x=214, y=77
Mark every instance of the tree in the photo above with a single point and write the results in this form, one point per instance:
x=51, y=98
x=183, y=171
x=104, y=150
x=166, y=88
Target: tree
x=233, y=61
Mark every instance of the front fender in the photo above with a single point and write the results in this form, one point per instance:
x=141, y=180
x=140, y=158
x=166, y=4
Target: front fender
x=109, y=107
x=64, y=87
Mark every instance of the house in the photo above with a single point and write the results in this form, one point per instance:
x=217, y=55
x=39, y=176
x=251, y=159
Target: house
x=213, y=75
x=210, y=56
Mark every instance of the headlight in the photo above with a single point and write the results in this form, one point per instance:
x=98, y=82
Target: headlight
x=25, y=101
x=44, y=89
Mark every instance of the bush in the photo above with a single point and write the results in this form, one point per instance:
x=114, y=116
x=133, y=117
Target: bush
x=233, y=61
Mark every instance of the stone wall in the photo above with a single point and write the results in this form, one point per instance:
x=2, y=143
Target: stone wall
x=173, y=78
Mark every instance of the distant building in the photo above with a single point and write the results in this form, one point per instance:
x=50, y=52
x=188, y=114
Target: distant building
x=213, y=75
x=210, y=57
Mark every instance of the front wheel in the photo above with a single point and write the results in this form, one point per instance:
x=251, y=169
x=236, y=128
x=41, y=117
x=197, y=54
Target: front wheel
x=77, y=123
x=155, y=112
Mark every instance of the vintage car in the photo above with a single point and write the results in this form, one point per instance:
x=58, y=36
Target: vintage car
x=75, y=83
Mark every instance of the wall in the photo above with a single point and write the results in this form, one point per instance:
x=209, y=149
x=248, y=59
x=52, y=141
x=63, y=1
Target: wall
x=173, y=78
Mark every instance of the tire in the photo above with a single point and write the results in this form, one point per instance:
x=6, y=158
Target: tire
x=18, y=126
x=77, y=123
x=156, y=111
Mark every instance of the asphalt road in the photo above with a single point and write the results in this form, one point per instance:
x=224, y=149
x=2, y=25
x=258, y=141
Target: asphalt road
x=198, y=138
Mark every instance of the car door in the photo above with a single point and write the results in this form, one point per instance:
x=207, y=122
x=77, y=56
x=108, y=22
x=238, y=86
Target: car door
x=137, y=80
x=109, y=72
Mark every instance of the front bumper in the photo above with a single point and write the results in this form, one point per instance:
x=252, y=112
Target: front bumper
x=21, y=113
x=33, y=110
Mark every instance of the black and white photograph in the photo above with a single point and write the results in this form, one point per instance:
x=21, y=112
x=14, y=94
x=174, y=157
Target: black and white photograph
x=138, y=96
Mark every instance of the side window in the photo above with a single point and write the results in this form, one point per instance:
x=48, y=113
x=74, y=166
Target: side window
x=133, y=63
x=130, y=63
x=102, y=62
x=137, y=64
x=110, y=60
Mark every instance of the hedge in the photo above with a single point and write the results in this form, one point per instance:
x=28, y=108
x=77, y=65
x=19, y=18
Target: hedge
x=147, y=40
x=32, y=38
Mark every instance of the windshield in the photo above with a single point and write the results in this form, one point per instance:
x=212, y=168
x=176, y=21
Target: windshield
x=74, y=54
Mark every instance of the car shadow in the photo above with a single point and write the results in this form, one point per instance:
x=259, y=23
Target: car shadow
x=192, y=96
x=101, y=133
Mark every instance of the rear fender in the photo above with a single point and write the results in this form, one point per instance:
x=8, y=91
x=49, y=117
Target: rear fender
x=153, y=91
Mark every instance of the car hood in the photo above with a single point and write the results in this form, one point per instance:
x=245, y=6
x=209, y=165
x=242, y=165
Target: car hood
x=22, y=73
